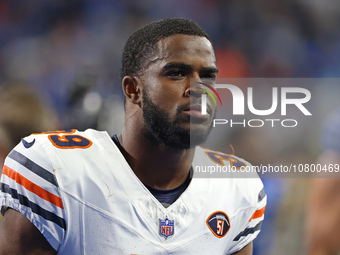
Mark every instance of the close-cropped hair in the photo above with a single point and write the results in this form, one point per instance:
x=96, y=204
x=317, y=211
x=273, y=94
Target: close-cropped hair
x=143, y=43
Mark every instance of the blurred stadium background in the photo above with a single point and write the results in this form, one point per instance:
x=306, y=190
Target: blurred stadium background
x=69, y=51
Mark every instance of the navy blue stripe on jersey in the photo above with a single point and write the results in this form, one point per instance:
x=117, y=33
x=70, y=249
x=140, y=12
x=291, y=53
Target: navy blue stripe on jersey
x=29, y=164
x=248, y=231
x=34, y=207
x=262, y=195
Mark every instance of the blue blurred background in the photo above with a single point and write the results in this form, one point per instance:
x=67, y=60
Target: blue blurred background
x=69, y=51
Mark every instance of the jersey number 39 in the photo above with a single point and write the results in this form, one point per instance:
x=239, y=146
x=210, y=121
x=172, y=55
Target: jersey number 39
x=68, y=140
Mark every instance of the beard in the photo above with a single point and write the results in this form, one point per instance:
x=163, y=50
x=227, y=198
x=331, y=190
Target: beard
x=161, y=129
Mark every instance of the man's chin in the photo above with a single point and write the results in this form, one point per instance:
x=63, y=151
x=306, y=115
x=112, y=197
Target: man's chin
x=197, y=139
x=186, y=138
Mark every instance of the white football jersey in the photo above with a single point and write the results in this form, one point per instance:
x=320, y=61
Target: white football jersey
x=79, y=191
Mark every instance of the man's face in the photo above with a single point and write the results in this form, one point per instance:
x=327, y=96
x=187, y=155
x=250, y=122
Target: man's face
x=171, y=105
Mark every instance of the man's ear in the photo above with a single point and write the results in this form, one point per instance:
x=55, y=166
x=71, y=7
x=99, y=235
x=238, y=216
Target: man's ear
x=132, y=88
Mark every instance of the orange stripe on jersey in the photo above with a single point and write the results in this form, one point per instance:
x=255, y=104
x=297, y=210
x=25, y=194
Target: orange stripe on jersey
x=257, y=214
x=33, y=187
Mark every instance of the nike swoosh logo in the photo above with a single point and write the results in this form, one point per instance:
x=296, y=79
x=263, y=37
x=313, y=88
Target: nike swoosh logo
x=27, y=144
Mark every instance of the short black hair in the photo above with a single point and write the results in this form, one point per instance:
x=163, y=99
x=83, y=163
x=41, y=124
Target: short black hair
x=142, y=43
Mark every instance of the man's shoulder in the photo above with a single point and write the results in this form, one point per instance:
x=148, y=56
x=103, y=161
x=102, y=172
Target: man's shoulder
x=71, y=134
x=220, y=158
x=81, y=161
x=61, y=148
x=66, y=139
x=223, y=165
x=229, y=172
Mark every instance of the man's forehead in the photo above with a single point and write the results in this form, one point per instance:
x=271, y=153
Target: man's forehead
x=178, y=46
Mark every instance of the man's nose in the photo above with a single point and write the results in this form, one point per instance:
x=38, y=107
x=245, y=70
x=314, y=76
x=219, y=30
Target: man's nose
x=195, y=89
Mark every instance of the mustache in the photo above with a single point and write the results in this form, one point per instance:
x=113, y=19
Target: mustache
x=195, y=102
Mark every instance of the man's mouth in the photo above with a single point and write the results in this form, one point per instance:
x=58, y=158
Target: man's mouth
x=195, y=111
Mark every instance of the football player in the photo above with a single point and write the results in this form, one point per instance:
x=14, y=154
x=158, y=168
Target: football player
x=72, y=192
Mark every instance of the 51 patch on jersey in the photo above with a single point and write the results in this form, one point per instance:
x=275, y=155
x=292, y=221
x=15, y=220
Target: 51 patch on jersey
x=218, y=223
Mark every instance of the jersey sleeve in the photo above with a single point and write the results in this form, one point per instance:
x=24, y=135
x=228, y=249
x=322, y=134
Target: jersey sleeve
x=253, y=223
x=28, y=185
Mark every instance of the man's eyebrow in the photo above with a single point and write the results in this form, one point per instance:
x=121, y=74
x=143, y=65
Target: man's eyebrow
x=178, y=65
x=212, y=69
x=183, y=66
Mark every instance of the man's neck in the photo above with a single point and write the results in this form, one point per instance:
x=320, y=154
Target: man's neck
x=155, y=164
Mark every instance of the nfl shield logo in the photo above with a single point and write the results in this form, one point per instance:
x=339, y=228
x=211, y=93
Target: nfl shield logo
x=166, y=227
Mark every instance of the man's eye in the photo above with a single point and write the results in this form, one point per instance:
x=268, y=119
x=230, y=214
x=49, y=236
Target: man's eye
x=208, y=76
x=209, y=79
x=176, y=74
